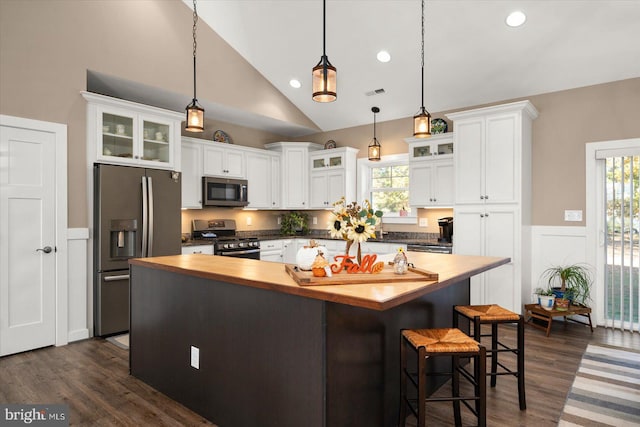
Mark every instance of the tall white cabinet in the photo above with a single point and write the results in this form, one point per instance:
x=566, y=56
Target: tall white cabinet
x=492, y=208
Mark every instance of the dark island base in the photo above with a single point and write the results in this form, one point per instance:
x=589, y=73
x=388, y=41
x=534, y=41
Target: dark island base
x=273, y=359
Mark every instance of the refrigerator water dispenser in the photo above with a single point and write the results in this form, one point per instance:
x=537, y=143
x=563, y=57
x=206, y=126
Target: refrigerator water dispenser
x=123, y=238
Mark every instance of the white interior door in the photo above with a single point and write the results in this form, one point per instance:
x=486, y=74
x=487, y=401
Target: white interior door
x=27, y=239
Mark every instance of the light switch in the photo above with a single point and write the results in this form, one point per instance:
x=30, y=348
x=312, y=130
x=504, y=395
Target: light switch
x=424, y=222
x=315, y=220
x=573, y=216
x=248, y=220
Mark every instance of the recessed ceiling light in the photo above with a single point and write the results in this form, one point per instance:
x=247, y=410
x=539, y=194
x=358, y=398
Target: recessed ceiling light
x=515, y=19
x=295, y=83
x=383, y=56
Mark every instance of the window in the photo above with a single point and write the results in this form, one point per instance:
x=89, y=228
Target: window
x=386, y=185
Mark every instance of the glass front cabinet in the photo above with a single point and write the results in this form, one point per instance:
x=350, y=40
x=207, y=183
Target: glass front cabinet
x=437, y=146
x=132, y=134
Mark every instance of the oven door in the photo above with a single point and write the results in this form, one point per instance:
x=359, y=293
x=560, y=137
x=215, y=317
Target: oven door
x=244, y=253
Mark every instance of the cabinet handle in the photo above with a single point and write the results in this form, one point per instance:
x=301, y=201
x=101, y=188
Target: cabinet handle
x=481, y=197
x=486, y=197
x=486, y=215
x=481, y=215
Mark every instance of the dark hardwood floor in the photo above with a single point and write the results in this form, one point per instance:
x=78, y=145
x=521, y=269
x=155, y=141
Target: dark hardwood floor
x=92, y=377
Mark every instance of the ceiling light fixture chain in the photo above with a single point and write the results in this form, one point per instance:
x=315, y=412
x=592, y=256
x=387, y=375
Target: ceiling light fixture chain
x=324, y=75
x=422, y=120
x=195, y=45
x=195, y=113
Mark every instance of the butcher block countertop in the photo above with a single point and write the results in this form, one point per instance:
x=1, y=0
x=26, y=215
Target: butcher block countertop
x=273, y=276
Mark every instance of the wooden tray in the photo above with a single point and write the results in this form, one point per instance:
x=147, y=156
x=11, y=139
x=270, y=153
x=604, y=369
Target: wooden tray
x=306, y=278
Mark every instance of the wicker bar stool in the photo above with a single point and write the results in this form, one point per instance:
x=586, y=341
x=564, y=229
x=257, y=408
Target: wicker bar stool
x=495, y=315
x=430, y=343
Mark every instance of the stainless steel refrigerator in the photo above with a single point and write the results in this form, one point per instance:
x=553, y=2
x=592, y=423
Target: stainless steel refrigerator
x=136, y=214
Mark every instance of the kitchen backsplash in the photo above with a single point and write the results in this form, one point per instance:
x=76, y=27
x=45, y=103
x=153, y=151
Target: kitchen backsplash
x=253, y=221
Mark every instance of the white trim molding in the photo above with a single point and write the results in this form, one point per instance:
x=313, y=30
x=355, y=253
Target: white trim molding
x=78, y=239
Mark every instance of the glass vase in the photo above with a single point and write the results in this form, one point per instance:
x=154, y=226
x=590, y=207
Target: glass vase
x=351, y=247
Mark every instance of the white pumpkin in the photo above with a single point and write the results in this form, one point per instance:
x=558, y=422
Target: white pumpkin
x=306, y=255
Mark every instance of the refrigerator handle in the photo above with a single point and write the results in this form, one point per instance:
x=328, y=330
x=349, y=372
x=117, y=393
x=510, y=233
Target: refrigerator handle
x=150, y=222
x=145, y=216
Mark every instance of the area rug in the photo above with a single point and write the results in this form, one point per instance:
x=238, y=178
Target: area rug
x=121, y=341
x=606, y=390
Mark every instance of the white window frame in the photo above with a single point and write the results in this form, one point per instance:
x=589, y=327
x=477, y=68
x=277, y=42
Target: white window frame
x=364, y=184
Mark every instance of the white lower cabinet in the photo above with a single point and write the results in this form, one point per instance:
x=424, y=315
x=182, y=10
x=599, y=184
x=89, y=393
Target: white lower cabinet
x=198, y=249
x=272, y=250
x=487, y=230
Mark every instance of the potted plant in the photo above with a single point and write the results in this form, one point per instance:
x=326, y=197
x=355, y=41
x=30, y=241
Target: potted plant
x=293, y=223
x=546, y=298
x=574, y=280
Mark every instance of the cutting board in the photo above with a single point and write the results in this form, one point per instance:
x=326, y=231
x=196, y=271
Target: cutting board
x=306, y=278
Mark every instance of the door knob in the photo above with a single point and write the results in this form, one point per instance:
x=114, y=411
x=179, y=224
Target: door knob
x=46, y=249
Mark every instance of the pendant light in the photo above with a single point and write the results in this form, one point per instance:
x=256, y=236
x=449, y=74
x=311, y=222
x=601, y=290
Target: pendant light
x=374, y=147
x=195, y=113
x=324, y=74
x=422, y=120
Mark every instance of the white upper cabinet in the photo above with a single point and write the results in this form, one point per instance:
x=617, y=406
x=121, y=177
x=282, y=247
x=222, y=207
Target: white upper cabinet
x=492, y=153
x=263, y=176
x=431, y=184
x=224, y=160
x=431, y=171
x=294, y=172
x=127, y=133
x=191, y=175
x=333, y=175
x=437, y=146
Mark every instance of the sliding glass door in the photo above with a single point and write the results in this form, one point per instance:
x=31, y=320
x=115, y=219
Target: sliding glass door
x=622, y=254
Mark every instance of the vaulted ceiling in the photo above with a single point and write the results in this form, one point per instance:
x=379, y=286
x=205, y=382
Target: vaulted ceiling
x=471, y=56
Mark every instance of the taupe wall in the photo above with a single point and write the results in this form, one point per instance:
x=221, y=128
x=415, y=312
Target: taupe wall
x=567, y=121
x=46, y=47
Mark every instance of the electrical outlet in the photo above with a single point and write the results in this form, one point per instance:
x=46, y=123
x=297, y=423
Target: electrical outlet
x=424, y=222
x=195, y=357
x=279, y=220
x=573, y=216
x=315, y=220
x=248, y=220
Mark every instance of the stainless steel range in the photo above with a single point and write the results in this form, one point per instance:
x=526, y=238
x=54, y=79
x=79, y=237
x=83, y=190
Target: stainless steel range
x=222, y=234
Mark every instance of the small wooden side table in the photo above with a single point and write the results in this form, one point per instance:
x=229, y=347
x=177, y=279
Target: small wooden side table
x=534, y=311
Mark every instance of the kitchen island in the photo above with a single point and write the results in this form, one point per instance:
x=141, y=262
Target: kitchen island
x=273, y=353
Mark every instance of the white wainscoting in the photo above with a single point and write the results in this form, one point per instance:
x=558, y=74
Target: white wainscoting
x=77, y=240
x=552, y=246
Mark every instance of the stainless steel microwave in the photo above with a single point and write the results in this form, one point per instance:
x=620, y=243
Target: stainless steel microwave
x=224, y=192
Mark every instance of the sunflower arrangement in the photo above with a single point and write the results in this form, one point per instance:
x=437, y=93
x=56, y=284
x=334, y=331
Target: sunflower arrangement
x=353, y=222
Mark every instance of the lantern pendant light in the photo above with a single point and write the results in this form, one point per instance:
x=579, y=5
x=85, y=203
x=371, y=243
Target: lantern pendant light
x=324, y=74
x=374, y=147
x=195, y=113
x=422, y=120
